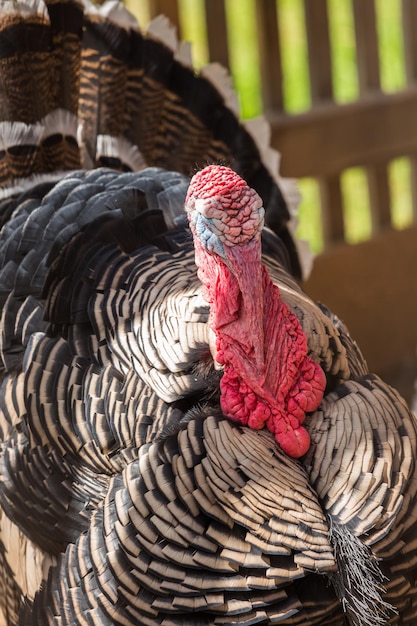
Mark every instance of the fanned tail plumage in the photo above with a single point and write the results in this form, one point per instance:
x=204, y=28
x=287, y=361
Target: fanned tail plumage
x=84, y=87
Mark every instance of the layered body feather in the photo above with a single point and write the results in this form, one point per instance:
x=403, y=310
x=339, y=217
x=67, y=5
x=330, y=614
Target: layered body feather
x=126, y=497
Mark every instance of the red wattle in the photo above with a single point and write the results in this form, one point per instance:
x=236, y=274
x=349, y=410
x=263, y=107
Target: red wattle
x=294, y=442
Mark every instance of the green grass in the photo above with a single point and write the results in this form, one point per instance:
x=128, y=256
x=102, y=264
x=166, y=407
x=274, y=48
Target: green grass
x=244, y=59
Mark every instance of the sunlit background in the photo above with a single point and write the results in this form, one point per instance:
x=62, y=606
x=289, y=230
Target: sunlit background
x=244, y=62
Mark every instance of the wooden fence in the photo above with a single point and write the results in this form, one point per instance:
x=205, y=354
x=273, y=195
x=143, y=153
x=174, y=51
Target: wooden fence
x=373, y=285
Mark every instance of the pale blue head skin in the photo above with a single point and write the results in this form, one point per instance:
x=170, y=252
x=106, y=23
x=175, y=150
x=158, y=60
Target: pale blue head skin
x=205, y=231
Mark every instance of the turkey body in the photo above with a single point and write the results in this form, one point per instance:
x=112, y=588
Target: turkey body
x=127, y=497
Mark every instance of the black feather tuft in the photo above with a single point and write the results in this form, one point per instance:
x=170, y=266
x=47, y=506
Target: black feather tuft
x=359, y=580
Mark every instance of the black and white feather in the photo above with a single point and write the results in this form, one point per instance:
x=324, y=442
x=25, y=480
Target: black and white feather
x=126, y=497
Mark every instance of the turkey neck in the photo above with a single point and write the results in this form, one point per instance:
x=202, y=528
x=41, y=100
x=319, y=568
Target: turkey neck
x=234, y=290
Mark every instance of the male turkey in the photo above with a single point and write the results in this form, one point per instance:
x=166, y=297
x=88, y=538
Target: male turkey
x=179, y=446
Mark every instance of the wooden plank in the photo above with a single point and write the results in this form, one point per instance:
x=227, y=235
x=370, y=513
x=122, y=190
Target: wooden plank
x=319, y=55
x=366, y=45
x=331, y=138
x=370, y=287
x=331, y=202
x=409, y=25
x=413, y=185
x=217, y=32
x=379, y=197
x=269, y=55
x=377, y=177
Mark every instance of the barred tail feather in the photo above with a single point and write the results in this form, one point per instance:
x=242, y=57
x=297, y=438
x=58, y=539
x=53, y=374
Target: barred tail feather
x=39, y=70
x=105, y=93
x=25, y=62
x=66, y=23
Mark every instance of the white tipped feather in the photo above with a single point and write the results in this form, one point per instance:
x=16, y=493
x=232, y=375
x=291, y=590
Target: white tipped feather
x=184, y=55
x=19, y=133
x=305, y=255
x=160, y=28
x=60, y=121
x=260, y=131
x=221, y=79
x=291, y=192
x=120, y=148
x=292, y=195
x=26, y=8
x=114, y=11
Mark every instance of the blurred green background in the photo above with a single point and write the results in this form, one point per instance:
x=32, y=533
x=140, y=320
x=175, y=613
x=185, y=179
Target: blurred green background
x=244, y=62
